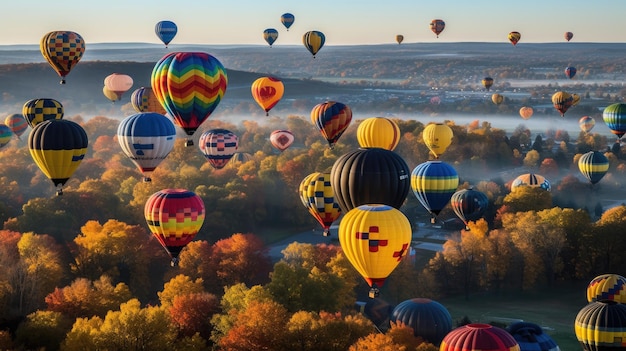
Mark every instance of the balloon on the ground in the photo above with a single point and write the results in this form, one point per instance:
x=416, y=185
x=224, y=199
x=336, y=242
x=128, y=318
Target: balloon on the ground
x=434, y=183
x=146, y=138
x=601, y=326
x=17, y=123
x=615, y=118
x=166, y=31
x=429, y=319
x=174, y=217
x=58, y=147
x=437, y=137
x=370, y=176
x=374, y=238
x=281, y=139
x=607, y=287
x=218, y=146
x=189, y=85
x=313, y=41
x=62, y=50
x=318, y=197
x=532, y=180
x=331, y=118
x=478, y=337
x=530, y=336
x=239, y=158
x=381, y=132
x=593, y=165
x=267, y=92
x=36, y=111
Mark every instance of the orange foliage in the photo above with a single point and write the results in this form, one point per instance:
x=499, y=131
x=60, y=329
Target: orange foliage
x=192, y=313
x=242, y=258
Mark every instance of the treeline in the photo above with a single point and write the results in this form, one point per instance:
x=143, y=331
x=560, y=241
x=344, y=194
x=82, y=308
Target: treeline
x=82, y=271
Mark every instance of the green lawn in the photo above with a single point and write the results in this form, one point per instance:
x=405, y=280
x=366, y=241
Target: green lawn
x=555, y=310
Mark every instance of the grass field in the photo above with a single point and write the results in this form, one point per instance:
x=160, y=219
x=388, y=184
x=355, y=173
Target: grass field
x=555, y=310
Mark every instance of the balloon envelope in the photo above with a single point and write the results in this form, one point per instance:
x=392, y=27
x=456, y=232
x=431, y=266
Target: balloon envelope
x=570, y=72
x=281, y=139
x=437, y=137
x=593, y=165
x=166, y=31
x=267, y=92
x=586, y=123
x=218, y=146
x=601, y=326
x=144, y=100
x=479, y=337
x=562, y=101
x=174, y=217
x=497, y=99
x=318, y=196
x=370, y=176
x=469, y=204
x=62, y=50
x=16, y=123
x=531, y=337
x=607, y=287
x=526, y=112
x=331, y=118
x=58, y=147
x=189, y=85
x=36, y=111
x=146, y=138
x=433, y=183
x=5, y=135
x=429, y=319
x=487, y=82
x=615, y=118
x=380, y=132
x=437, y=26
x=118, y=83
x=313, y=41
x=270, y=35
x=374, y=238
x=532, y=180
x=287, y=20
x=568, y=36
x=399, y=38
x=514, y=37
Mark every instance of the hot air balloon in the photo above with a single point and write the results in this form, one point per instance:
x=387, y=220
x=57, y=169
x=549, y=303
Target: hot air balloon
x=174, y=217
x=593, y=165
x=514, y=37
x=281, y=139
x=531, y=180
x=270, y=35
x=497, y=99
x=586, y=123
x=58, y=147
x=569, y=36
x=429, y=319
x=487, y=82
x=562, y=101
x=313, y=41
x=62, y=50
x=526, y=112
x=17, y=124
x=146, y=138
x=531, y=337
x=435, y=100
x=615, y=118
x=575, y=99
x=36, y=111
x=370, y=176
x=287, y=20
x=601, y=326
x=267, y=92
x=570, y=72
x=144, y=100
x=437, y=137
x=399, y=38
x=607, y=287
x=478, y=337
x=110, y=95
x=379, y=132
x=437, y=26
x=374, y=238
x=218, y=146
x=469, y=205
x=5, y=135
x=318, y=196
x=331, y=118
x=166, y=31
x=433, y=183
x=118, y=83
x=239, y=158
x=189, y=85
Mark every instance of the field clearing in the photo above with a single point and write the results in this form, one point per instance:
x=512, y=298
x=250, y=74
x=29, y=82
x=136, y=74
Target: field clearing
x=555, y=310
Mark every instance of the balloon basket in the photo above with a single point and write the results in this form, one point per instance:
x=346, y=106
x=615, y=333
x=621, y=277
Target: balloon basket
x=374, y=292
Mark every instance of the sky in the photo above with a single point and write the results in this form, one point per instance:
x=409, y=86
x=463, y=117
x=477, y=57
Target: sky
x=344, y=22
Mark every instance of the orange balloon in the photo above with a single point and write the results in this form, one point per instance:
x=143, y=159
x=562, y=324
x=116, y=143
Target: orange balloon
x=267, y=92
x=526, y=112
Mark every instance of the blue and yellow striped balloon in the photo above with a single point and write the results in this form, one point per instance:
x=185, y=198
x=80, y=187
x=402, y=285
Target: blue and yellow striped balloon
x=601, y=325
x=434, y=183
x=615, y=118
x=313, y=41
x=593, y=165
x=5, y=135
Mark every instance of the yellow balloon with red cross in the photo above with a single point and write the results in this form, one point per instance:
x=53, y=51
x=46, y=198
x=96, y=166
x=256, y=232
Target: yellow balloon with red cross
x=375, y=238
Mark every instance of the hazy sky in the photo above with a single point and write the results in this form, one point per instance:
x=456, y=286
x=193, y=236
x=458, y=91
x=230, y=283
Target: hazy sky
x=344, y=22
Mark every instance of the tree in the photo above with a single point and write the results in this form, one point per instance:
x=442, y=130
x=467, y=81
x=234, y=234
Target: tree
x=526, y=198
x=195, y=261
x=605, y=244
x=192, y=313
x=179, y=285
x=242, y=258
x=43, y=330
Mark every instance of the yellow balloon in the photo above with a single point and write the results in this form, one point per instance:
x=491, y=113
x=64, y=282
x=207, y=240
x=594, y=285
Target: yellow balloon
x=374, y=239
x=437, y=137
x=109, y=94
x=378, y=132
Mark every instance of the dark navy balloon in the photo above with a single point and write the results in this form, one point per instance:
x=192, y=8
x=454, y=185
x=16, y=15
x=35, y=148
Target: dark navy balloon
x=531, y=337
x=429, y=319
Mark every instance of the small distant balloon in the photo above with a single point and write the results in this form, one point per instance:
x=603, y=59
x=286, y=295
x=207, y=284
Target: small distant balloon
x=313, y=41
x=118, y=84
x=586, y=123
x=497, y=99
x=526, y=112
x=570, y=72
x=166, y=31
x=514, y=37
x=562, y=101
x=287, y=20
x=270, y=35
x=437, y=26
x=5, y=135
x=281, y=139
x=399, y=38
x=569, y=36
x=267, y=92
x=487, y=82
x=17, y=124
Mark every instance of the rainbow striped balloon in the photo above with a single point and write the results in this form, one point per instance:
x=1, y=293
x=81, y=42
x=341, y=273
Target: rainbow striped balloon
x=17, y=123
x=189, y=85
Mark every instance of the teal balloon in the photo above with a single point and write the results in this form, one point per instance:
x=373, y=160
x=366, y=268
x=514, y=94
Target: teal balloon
x=615, y=118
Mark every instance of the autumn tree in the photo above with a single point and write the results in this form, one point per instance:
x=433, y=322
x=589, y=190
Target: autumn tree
x=325, y=331
x=605, y=244
x=527, y=198
x=43, y=330
x=192, y=313
x=195, y=261
x=179, y=285
x=242, y=258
